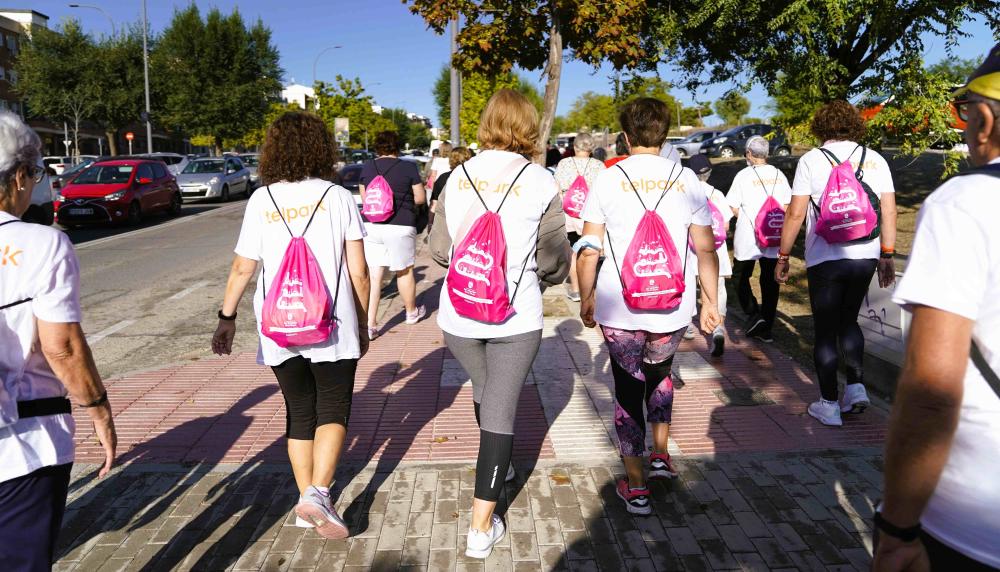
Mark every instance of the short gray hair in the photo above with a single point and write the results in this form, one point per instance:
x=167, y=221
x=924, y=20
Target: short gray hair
x=19, y=145
x=758, y=147
x=584, y=142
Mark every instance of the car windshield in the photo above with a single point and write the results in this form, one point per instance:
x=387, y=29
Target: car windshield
x=86, y=163
x=204, y=167
x=104, y=175
x=250, y=160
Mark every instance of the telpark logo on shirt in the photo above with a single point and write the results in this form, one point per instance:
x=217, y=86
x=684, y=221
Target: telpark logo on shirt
x=291, y=214
x=651, y=185
x=9, y=255
x=484, y=187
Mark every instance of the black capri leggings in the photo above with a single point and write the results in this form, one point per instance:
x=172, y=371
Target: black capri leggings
x=836, y=291
x=315, y=394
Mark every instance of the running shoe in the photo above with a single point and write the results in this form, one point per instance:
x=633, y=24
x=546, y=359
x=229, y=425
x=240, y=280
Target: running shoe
x=416, y=316
x=855, y=399
x=303, y=523
x=315, y=508
x=756, y=326
x=827, y=412
x=690, y=333
x=480, y=544
x=764, y=335
x=718, y=342
x=636, y=500
x=511, y=475
x=573, y=296
x=661, y=467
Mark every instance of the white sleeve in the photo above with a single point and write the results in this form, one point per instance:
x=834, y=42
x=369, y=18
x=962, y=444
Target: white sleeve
x=949, y=264
x=57, y=299
x=880, y=179
x=250, y=243
x=700, y=213
x=802, y=183
x=783, y=192
x=593, y=211
x=735, y=195
x=355, y=227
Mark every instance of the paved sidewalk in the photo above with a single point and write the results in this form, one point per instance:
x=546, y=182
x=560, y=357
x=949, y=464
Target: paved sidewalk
x=207, y=485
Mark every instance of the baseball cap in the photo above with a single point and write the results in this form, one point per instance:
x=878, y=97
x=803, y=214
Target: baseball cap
x=699, y=164
x=985, y=81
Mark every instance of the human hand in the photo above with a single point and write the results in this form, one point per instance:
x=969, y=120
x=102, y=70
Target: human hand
x=709, y=318
x=893, y=555
x=104, y=427
x=587, y=311
x=886, y=272
x=781, y=271
x=222, y=341
x=363, y=339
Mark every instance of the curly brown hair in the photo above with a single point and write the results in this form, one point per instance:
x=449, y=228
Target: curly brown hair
x=387, y=143
x=838, y=121
x=298, y=146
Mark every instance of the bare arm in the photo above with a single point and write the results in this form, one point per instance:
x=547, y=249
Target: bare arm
x=795, y=215
x=708, y=275
x=240, y=275
x=419, y=194
x=65, y=349
x=357, y=266
x=586, y=272
x=887, y=266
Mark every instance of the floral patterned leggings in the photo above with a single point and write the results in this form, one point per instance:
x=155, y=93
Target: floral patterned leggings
x=640, y=364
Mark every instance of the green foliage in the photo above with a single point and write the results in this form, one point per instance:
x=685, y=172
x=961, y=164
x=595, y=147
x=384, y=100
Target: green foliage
x=121, y=97
x=255, y=137
x=216, y=75
x=651, y=86
x=732, y=107
x=593, y=112
x=413, y=134
x=347, y=98
x=477, y=88
x=956, y=70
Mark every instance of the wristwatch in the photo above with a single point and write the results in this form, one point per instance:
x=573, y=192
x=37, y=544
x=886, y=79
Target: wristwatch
x=226, y=318
x=905, y=534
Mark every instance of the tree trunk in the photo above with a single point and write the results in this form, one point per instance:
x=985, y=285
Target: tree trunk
x=112, y=141
x=76, y=135
x=218, y=146
x=553, y=71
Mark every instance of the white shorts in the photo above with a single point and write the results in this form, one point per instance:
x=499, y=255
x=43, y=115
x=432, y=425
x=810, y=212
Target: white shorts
x=390, y=245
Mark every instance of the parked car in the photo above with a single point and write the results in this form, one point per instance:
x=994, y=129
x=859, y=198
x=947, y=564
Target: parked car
x=118, y=191
x=349, y=177
x=691, y=144
x=360, y=156
x=175, y=162
x=41, y=209
x=218, y=178
x=58, y=164
x=251, y=161
x=733, y=143
x=60, y=181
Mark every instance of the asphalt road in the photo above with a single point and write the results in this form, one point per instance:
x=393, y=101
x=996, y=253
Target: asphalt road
x=150, y=294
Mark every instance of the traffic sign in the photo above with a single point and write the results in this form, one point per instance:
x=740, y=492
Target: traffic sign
x=130, y=136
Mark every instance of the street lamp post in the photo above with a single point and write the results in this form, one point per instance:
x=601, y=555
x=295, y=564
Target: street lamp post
x=101, y=10
x=316, y=61
x=145, y=72
x=456, y=86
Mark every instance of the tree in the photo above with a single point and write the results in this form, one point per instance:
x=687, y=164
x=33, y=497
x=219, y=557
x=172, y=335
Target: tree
x=731, y=107
x=121, y=98
x=218, y=77
x=651, y=86
x=477, y=89
x=56, y=76
x=593, y=112
x=347, y=98
x=956, y=70
x=255, y=137
x=534, y=34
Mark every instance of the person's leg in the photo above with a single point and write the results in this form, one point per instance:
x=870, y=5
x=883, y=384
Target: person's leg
x=375, y=294
x=299, y=390
x=625, y=349
x=742, y=271
x=722, y=297
x=852, y=341
x=769, y=289
x=334, y=391
x=508, y=362
x=471, y=354
x=825, y=298
x=31, y=513
x=401, y=242
x=658, y=360
x=574, y=281
x=407, y=285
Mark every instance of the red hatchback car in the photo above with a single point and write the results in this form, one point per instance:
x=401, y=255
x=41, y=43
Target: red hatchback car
x=118, y=191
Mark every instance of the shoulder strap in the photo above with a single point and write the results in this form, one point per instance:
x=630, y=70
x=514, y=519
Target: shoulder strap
x=398, y=161
x=992, y=170
x=834, y=161
x=505, y=195
x=984, y=368
x=313, y=215
x=762, y=185
x=9, y=222
x=277, y=208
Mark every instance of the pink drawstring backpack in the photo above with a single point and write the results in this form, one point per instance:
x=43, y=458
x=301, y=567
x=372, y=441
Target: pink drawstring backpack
x=849, y=210
x=298, y=311
x=378, y=205
x=770, y=218
x=576, y=194
x=477, y=275
x=651, y=273
x=718, y=226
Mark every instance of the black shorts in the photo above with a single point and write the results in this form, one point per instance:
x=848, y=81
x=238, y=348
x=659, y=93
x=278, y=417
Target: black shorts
x=315, y=394
x=573, y=237
x=31, y=513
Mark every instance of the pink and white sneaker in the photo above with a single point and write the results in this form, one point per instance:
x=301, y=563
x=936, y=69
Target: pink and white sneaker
x=315, y=508
x=636, y=500
x=660, y=466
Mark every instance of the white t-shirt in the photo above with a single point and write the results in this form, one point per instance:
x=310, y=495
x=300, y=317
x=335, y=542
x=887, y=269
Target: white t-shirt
x=567, y=171
x=36, y=262
x=810, y=179
x=493, y=171
x=955, y=266
x=668, y=151
x=750, y=189
x=265, y=238
x=613, y=203
x=440, y=165
x=719, y=200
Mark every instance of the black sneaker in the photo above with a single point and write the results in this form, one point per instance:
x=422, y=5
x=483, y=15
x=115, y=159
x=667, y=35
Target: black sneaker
x=718, y=344
x=757, y=325
x=763, y=335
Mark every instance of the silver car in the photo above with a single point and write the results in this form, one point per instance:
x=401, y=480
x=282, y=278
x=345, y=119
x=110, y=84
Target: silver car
x=691, y=144
x=214, y=178
x=175, y=162
x=251, y=161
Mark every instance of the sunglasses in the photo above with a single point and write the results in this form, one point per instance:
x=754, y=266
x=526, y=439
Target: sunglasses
x=962, y=107
x=36, y=173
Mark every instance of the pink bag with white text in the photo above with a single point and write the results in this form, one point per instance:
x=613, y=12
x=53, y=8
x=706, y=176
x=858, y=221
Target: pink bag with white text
x=767, y=227
x=378, y=205
x=846, y=211
x=575, y=197
x=718, y=227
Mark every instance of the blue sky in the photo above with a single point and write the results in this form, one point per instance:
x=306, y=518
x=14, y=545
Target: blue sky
x=391, y=50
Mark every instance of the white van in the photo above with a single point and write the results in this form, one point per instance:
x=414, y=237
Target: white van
x=41, y=210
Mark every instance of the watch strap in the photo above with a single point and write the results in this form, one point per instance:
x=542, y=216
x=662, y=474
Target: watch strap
x=905, y=534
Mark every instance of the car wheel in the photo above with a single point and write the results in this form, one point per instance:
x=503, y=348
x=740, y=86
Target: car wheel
x=225, y=194
x=134, y=214
x=727, y=153
x=783, y=152
x=176, y=203
x=682, y=153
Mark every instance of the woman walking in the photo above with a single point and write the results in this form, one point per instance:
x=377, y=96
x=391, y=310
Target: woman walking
x=392, y=243
x=44, y=358
x=839, y=272
x=642, y=342
x=567, y=172
x=498, y=356
x=297, y=199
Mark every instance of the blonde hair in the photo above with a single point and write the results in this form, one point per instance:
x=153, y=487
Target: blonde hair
x=509, y=123
x=458, y=156
x=584, y=142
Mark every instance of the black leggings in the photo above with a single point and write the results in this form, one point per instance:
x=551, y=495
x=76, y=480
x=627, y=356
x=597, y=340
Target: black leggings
x=315, y=394
x=836, y=291
x=743, y=270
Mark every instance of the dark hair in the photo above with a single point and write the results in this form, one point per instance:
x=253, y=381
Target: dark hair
x=838, y=120
x=621, y=145
x=600, y=154
x=298, y=146
x=552, y=157
x=387, y=143
x=645, y=121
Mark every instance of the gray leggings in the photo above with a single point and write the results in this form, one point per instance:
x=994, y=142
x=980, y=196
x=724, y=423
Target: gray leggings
x=498, y=368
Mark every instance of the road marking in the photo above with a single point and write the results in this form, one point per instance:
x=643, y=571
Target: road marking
x=218, y=211
x=107, y=332
x=188, y=290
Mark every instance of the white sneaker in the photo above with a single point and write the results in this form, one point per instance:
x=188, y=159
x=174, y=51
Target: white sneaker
x=511, y=475
x=303, y=523
x=315, y=507
x=690, y=333
x=480, y=544
x=827, y=412
x=416, y=316
x=855, y=399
